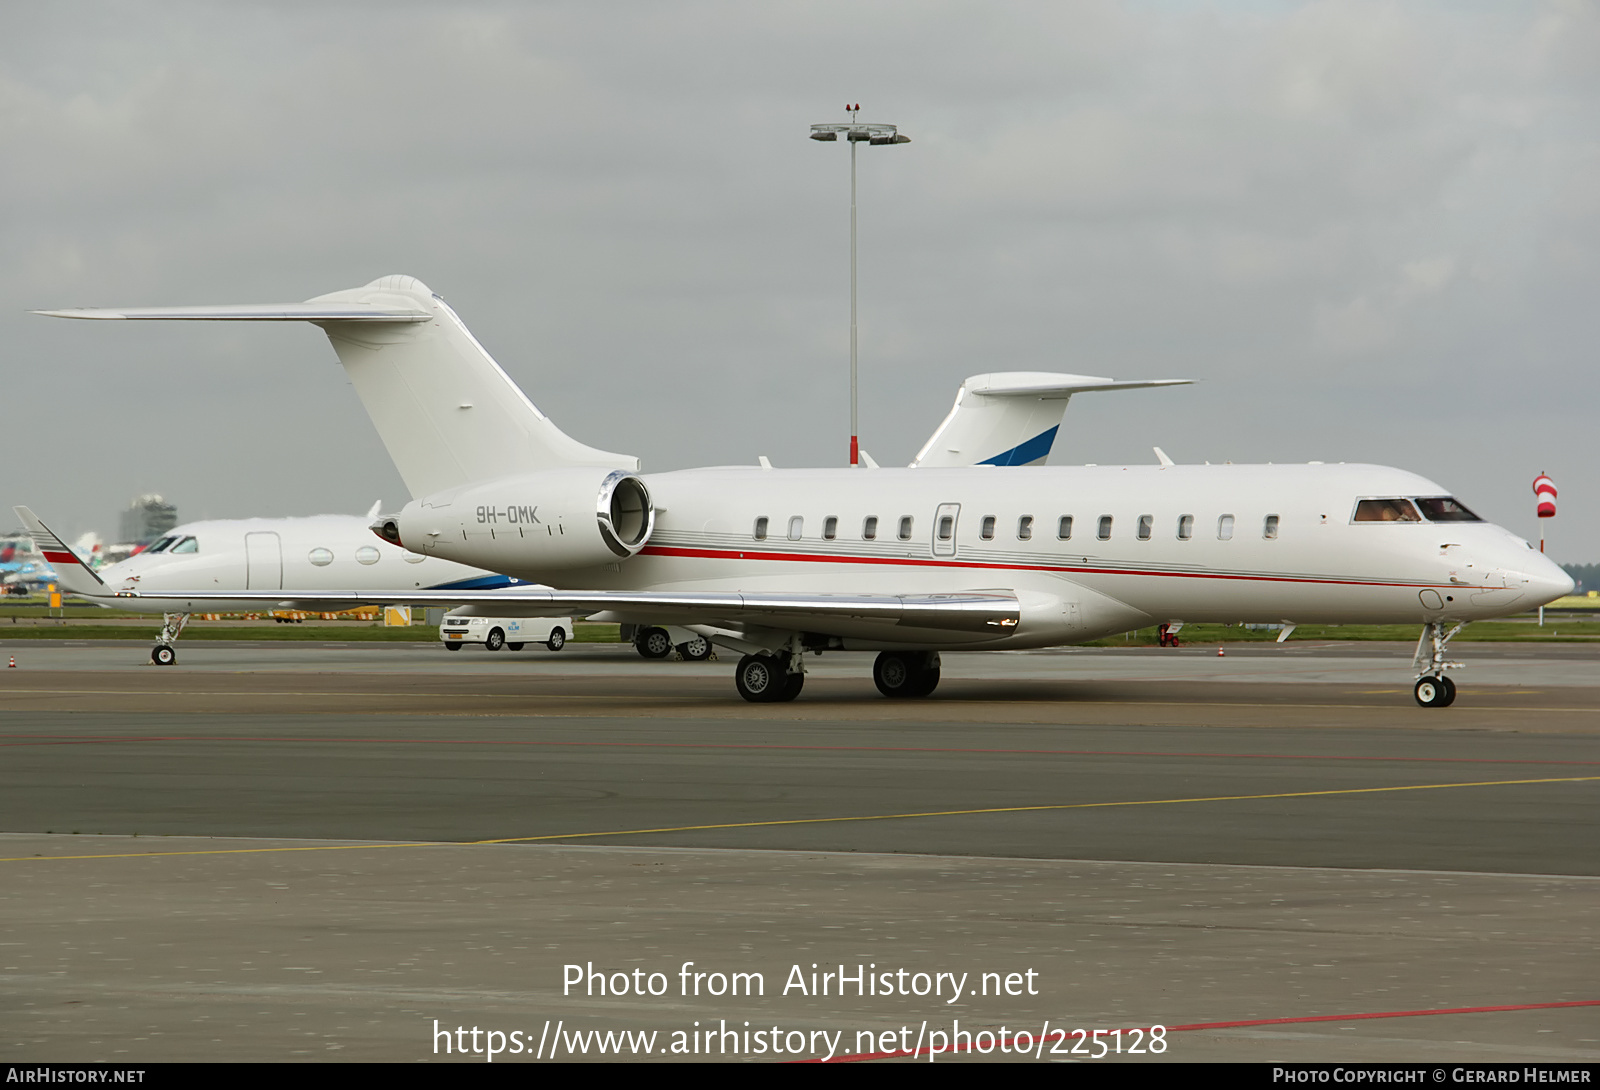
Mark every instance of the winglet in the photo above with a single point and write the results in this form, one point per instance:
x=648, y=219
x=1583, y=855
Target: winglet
x=75, y=576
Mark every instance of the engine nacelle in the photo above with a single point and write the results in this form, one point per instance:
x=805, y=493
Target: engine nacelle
x=576, y=517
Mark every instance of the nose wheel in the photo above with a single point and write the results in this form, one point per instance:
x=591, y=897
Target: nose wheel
x=163, y=654
x=1435, y=692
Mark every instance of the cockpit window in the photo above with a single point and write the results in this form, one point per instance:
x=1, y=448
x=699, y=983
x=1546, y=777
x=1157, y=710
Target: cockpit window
x=161, y=546
x=1446, y=509
x=1386, y=511
x=187, y=545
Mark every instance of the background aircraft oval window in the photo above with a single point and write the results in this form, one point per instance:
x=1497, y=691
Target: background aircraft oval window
x=987, y=532
x=412, y=558
x=830, y=527
x=1025, y=528
x=761, y=528
x=947, y=527
x=869, y=528
x=187, y=545
x=321, y=557
x=905, y=527
x=1269, y=529
x=367, y=554
x=1105, y=528
x=1064, y=528
x=797, y=524
x=1225, y=528
x=1185, y=527
x=1146, y=525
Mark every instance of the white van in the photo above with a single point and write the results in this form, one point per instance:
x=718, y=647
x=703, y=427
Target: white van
x=509, y=632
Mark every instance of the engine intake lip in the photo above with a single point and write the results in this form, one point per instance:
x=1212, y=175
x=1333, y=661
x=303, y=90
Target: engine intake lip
x=625, y=513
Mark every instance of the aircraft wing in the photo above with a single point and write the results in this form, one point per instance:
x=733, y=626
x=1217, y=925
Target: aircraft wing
x=995, y=612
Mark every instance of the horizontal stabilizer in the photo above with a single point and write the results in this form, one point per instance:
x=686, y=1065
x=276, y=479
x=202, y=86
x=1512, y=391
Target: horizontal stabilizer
x=1011, y=418
x=446, y=411
x=993, y=612
x=251, y=312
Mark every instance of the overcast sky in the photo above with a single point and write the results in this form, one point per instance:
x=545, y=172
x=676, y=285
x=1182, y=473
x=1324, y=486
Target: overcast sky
x=1370, y=231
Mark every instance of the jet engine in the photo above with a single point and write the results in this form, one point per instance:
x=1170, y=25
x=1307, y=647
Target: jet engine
x=554, y=520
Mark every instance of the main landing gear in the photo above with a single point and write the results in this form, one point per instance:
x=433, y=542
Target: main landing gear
x=163, y=653
x=769, y=679
x=906, y=674
x=776, y=676
x=1433, y=688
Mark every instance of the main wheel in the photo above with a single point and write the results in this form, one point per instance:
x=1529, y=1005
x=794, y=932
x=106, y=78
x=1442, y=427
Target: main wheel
x=696, y=650
x=496, y=640
x=557, y=640
x=903, y=675
x=653, y=643
x=792, y=684
x=1435, y=692
x=163, y=654
x=762, y=679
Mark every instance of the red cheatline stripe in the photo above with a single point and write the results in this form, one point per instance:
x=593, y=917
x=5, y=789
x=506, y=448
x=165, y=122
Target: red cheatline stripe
x=59, y=740
x=747, y=554
x=1242, y=1023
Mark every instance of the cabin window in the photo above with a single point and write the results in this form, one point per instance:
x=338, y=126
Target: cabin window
x=796, y=525
x=1446, y=509
x=869, y=528
x=367, y=554
x=947, y=527
x=905, y=527
x=761, y=528
x=412, y=558
x=1386, y=511
x=161, y=546
x=1225, y=528
x=1185, y=527
x=1146, y=525
x=1269, y=529
x=187, y=545
x=1025, y=528
x=987, y=533
x=830, y=527
x=1105, y=528
x=323, y=557
x=1064, y=528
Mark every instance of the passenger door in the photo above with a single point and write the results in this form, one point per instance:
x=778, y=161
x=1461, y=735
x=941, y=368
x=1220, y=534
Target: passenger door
x=263, y=561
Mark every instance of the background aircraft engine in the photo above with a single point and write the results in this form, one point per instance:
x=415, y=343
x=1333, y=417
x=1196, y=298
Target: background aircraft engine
x=558, y=519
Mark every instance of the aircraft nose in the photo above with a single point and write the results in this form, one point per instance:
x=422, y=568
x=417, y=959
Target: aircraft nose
x=1546, y=581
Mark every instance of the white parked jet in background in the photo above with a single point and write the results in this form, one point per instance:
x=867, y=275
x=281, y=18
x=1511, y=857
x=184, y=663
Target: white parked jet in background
x=319, y=554
x=909, y=562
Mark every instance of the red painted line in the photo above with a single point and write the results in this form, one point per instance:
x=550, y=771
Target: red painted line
x=911, y=1053
x=907, y=561
x=58, y=740
x=59, y=558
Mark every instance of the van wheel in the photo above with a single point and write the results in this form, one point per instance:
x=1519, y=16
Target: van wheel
x=696, y=650
x=452, y=647
x=653, y=643
x=496, y=640
x=557, y=640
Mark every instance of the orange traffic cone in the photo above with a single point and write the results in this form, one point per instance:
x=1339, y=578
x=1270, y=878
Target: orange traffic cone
x=13, y=662
x=1220, y=653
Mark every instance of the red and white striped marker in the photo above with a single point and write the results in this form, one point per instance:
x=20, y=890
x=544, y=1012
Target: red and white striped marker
x=1544, y=490
x=13, y=662
x=1219, y=653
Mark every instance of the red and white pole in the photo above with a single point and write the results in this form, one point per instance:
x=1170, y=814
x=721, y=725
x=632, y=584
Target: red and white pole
x=1544, y=492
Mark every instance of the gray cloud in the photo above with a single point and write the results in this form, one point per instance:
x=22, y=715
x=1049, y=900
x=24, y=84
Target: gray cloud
x=1371, y=230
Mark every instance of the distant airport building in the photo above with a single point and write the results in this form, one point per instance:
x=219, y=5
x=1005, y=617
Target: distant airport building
x=147, y=518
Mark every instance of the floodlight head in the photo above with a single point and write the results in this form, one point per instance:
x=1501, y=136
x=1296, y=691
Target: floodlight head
x=824, y=136
x=856, y=136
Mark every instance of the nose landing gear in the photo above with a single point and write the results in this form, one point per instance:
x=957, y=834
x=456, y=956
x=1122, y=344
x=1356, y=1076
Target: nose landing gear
x=1433, y=688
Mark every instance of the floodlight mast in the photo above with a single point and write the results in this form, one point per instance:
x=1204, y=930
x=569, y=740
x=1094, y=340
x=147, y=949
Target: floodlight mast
x=856, y=132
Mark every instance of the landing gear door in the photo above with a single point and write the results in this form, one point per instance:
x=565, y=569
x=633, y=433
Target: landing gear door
x=944, y=529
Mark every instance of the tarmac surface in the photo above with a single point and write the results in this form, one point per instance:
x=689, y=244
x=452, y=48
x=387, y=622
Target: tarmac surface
x=302, y=851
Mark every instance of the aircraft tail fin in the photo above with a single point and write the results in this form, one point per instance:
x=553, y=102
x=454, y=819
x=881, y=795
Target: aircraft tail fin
x=446, y=412
x=72, y=573
x=1011, y=418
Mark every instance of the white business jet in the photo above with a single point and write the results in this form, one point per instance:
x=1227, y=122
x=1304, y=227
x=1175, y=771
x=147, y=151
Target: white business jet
x=320, y=553
x=904, y=562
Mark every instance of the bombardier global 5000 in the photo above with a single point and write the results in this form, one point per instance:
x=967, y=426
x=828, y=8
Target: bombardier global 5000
x=775, y=563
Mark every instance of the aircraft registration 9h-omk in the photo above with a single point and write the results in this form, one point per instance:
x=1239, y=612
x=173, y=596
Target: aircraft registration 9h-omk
x=908, y=562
